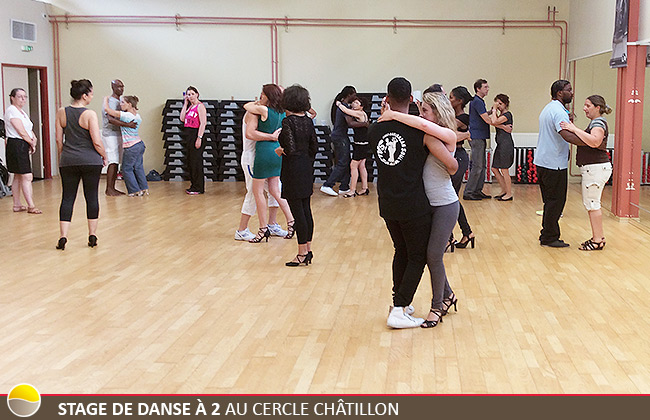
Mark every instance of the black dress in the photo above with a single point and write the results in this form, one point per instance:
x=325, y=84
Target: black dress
x=298, y=139
x=504, y=155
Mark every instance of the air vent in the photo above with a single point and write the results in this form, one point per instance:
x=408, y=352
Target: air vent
x=23, y=31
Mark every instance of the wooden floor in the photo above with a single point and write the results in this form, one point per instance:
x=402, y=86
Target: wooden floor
x=170, y=303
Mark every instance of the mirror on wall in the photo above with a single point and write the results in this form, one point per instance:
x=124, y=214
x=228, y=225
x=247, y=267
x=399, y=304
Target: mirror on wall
x=592, y=75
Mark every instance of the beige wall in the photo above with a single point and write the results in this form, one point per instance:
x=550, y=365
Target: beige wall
x=158, y=62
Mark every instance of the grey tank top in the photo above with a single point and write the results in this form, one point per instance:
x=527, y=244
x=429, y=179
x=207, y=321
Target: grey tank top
x=78, y=146
x=437, y=183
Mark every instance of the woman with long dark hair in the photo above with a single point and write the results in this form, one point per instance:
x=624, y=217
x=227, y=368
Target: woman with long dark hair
x=194, y=117
x=81, y=158
x=267, y=164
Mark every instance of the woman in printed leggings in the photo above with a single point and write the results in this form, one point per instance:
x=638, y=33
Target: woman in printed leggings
x=81, y=158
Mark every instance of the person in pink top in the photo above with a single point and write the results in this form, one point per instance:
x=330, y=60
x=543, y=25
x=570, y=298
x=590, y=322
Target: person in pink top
x=194, y=117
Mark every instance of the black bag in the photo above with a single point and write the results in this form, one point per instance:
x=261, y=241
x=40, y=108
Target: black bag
x=153, y=175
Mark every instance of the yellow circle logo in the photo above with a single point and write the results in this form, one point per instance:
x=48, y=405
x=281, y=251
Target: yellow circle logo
x=24, y=400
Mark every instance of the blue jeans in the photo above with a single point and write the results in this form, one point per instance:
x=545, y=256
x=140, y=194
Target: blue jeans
x=133, y=168
x=341, y=170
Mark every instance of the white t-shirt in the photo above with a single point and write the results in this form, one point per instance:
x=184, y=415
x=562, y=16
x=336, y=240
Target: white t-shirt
x=13, y=112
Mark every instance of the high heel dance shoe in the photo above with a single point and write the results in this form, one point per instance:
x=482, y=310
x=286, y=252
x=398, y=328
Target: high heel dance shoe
x=451, y=244
x=305, y=260
x=464, y=241
x=61, y=244
x=448, y=302
x=92, y=241
x=310, y=256
x=433, y=323
x=263, y=233
x=591, y=245
x=290, y=229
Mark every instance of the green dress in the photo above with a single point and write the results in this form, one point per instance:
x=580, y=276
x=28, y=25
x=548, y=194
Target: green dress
x=267, y=162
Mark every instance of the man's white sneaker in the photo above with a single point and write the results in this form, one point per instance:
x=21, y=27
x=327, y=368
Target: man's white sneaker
x=409, y=309
x=244, y=235
x=276, y=230
x=343, y=192
x=328, y=191
x=399, y=319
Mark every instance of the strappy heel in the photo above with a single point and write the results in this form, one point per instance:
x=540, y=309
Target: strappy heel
x=92, y=241
x=464, y=241
x=451, y=244
x=263, y=233
x=431, y=324
x=448, y=302
x=310, y=256
x=591, y=245
x=290, y=229
x=305, y=260
x=61, y=244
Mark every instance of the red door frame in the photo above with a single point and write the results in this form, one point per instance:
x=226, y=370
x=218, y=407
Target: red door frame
x=45, y=112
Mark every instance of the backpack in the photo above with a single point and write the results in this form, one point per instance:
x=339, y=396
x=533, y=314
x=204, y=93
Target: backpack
x=153, y=175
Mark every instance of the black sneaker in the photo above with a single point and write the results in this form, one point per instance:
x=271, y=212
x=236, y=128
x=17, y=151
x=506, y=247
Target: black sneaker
x=472, y=197
x=558, y=243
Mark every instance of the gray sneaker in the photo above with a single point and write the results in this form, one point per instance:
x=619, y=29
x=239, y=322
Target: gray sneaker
x=244, y=235
x=276, y=230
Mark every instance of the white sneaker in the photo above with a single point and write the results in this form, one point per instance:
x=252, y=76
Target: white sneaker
x=328, y=191
x=400, y=319
x=244, y=235
x=343, y=192
x=276, y=230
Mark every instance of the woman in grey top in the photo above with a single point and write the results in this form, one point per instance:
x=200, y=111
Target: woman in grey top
x=81, y=157
x=437, y=109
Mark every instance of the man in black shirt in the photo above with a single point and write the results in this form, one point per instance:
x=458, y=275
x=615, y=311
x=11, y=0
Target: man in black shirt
x=403, y=204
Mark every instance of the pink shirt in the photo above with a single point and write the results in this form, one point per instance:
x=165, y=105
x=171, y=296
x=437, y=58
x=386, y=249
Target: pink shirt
x=192, y=117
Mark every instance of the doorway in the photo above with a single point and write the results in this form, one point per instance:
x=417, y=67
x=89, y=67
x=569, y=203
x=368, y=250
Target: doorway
x=34, y=80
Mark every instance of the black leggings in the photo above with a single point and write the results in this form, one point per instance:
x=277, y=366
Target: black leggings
x=303, y=220
x=70, y=177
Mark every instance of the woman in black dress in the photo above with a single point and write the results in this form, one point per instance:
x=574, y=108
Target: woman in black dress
x=504, y=155
x=298, y=146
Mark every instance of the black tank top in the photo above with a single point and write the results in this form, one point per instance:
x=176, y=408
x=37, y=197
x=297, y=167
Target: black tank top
x=78, y=148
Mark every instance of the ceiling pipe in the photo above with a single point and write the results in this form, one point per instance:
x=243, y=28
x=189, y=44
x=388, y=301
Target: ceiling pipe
x=273, y=23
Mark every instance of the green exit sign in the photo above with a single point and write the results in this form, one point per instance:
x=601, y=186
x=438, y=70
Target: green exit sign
x=27, y=48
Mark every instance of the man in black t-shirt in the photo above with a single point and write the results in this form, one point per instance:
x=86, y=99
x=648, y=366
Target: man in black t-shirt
x=403, y=204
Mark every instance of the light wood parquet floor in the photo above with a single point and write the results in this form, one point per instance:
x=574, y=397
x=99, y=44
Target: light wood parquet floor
x=170, y=303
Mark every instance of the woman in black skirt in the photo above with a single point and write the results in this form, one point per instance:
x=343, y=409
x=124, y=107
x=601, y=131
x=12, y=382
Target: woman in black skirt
x=298, y=145
x=21, y=142
x=504, y=155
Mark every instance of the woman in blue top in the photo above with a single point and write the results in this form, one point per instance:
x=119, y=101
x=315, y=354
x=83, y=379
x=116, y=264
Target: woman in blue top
x=132, y=161
x=268, y=164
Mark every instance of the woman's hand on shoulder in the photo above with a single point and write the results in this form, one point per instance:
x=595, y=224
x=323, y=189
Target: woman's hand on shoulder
x=387, y=114
x=567, y=126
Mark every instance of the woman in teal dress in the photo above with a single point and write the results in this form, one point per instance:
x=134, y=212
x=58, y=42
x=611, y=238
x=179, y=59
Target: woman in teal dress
x=268, y=164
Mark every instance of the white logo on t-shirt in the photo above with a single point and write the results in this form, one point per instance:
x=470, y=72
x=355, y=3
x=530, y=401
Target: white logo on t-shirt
x=391, y=149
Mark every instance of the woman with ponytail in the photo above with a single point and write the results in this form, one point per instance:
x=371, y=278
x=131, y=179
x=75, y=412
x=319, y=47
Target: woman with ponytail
x=595, y=166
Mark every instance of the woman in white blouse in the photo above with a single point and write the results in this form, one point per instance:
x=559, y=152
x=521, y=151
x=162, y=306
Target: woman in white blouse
x=21, y=142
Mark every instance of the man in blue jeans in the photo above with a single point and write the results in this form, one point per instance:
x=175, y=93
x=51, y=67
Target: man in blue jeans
x=341, y=144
